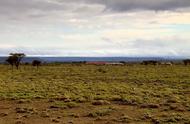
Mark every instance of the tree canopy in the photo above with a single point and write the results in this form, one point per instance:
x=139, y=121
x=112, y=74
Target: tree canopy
x=15, y=59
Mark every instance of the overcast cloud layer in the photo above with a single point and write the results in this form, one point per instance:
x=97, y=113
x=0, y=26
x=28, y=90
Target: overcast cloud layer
x=95, y=27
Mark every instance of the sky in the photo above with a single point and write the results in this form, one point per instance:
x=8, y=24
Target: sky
x=132, y=28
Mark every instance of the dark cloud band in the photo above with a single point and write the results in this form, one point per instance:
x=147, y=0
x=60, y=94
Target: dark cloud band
x=126, y=5
x=155, y=5
x=7, y=6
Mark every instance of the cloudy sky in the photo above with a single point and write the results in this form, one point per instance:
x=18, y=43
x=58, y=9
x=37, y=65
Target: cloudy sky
x=95, y=27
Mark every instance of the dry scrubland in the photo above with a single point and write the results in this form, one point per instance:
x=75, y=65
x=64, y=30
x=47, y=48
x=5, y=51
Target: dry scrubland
x=90, y=94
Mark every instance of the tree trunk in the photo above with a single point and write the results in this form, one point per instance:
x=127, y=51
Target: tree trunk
x=17, y=67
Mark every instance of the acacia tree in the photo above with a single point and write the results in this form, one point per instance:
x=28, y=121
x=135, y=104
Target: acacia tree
x=186, y=61
x=36, y=63
x=15, y=59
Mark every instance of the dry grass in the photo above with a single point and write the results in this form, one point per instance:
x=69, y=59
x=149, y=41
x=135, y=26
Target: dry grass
x=156, y=90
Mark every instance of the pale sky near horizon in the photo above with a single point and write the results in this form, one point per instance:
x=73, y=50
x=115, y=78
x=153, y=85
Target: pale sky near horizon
x=95, y=27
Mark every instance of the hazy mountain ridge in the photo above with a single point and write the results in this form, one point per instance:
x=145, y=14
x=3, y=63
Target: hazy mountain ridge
x=90, y=59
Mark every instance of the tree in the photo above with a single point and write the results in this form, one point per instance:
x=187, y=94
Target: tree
x=36, y=63
x=15, y=59
x=186, y=61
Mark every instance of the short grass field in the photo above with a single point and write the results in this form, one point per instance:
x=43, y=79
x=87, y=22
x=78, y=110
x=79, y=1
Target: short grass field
x=91, y=94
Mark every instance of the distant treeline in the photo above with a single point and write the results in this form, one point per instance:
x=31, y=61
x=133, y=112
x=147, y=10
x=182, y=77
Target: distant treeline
x=15, y=59
x=146, y=62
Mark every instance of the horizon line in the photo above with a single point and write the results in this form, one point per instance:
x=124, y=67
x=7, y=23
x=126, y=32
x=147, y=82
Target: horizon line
x=103, y=56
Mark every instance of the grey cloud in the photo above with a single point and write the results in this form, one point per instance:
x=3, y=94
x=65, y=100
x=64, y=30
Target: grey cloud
x=21, y=6
x=23, y=9
x=34, y=8
x=24, y=5
x=155, y=5
x=126, y=5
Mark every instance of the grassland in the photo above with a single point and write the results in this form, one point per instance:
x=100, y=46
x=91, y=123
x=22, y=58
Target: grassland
x=90, y=94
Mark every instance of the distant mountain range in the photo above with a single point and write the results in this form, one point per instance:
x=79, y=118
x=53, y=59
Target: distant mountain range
x=91, y=59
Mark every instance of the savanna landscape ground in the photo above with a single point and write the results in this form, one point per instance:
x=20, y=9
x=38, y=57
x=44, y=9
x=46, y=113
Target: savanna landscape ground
x=90, y=94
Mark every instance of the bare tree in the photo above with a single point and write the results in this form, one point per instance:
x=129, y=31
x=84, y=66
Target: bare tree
x=15, y=59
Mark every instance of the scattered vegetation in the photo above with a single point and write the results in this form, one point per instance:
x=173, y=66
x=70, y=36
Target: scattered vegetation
x=101, y=112
x=136, y=93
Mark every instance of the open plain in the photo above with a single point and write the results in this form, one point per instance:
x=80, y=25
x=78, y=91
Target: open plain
x=90, y=94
